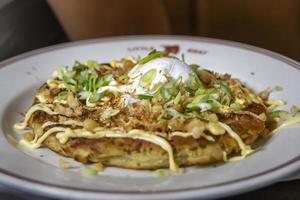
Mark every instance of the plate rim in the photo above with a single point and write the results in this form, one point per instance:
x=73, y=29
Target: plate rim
x=43, y=186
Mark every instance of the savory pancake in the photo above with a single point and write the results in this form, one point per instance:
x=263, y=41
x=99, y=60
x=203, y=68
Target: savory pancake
x=149, y=113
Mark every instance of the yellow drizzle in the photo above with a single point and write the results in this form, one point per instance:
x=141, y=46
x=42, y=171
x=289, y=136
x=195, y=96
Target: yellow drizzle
x=64, y=134
x=245, y=149
x=34, y=108
x=289, y=122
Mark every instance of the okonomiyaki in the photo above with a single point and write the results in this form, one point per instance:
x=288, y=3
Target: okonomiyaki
x=148, y=113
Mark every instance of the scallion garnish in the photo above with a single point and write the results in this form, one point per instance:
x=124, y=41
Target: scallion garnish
x=174, y=113
x=236, y=106
x=144, y=96
x=278, y=113
x=194, y=82
x=228, y=93
x=177, y=98
x=62, y=96
x=88, y=171
x=152, y=55
x=162, y=172
x=91, y=63
x=110, y=113
x=147, y=78
x=78, y=66
x=96, y=97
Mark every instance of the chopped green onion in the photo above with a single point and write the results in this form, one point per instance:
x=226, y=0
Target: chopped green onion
x=152, y=55
x=84, y=80
x=225, y=88
x=194, y=82
x=62, y=96
x=198, y=99
x=79, y=66
x=91, y=82
x=124, y=77
x=190, y=115
x=177, y=98
x=62, y=72
x=147, y=78
x=162, y=172
x=228, y=93
x=165, y=94
x=215, y=104
x=174, y=113
x=67, y=78
x=172, y=87
x=278, y=113
x=144, y=96
x=204, y=103
x=89, y=171
x=200, y=91
x=195, y=67
x=96, y=97
x=70, y=87
x=156, y=87
x=104, y=80
x=236, y=106
x=189, y=91
x=91, y=63
x=110, y=113
x=178, y=81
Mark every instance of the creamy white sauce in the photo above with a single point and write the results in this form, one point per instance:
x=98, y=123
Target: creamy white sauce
x=39, y=141
x=115, y=89
x=289, y=122
x=37, y=107
x=63, y=134
x=274, y=104
x=166, y=67
x=192, y=134
x=67, y=122
x=245, y=149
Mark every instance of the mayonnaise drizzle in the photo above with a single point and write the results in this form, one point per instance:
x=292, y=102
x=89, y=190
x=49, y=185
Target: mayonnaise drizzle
x=191, y=134
x=38, y=143
x=273, y=104
x=64, y=134
x=68, y=122
x=245, y=149
x=289, y=122
x=37, y=107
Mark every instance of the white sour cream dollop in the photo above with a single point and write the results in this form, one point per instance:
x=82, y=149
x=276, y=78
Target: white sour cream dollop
x=166, y=67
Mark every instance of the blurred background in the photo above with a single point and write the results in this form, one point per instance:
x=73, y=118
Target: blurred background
x=31, y=24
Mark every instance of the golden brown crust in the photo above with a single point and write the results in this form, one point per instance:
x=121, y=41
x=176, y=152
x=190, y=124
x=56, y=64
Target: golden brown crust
x=137, y=154
x=247, y=126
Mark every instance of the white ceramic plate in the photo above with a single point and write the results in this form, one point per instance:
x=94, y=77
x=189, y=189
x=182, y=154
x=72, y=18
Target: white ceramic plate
x=37, y=171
